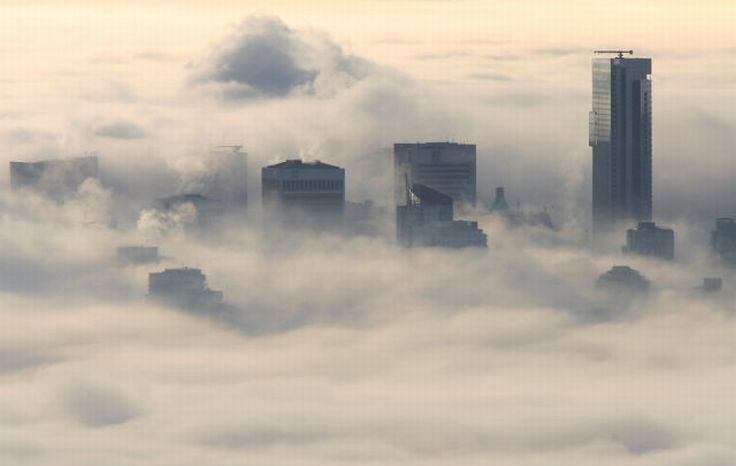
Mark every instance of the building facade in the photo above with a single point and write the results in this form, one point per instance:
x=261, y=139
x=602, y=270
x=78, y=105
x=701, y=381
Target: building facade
x=647, y=239
x=304, y=194
x=426, y=219
x=447, y=167
x=620, y=135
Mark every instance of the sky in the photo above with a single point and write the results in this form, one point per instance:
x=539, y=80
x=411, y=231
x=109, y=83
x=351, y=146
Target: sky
x=352, y=350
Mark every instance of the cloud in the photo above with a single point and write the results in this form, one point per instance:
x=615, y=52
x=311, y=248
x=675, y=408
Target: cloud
x=96, y=405
x=264, y=58
x=120, y=129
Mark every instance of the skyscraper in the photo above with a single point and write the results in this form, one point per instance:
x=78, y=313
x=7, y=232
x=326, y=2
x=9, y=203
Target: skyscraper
x=621, y=138
x=446, y=167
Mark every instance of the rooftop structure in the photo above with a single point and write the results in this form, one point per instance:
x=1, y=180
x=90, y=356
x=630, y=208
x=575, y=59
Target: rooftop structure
x=649, y=240
x=304, y=194
x=447, y=167
x=56, y=179
x=500, y=205
x=186, y=288
x=426, y=219
x=622, y=278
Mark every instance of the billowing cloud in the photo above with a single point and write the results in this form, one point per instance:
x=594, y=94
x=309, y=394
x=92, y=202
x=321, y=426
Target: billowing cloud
x=265, y=58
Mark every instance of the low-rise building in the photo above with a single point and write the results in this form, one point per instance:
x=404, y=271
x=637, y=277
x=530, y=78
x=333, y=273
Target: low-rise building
x=647, y=239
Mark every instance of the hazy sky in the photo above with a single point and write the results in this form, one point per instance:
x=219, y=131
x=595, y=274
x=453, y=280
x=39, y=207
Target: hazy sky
x=342, y=351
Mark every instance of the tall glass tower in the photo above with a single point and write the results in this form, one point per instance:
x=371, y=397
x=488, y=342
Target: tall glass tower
x=621, y=138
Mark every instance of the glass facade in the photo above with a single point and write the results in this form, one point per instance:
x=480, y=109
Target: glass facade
x=621, y=138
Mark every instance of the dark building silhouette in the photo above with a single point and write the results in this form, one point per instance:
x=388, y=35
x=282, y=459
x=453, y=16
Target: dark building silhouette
x=723, y=240
x=446, y=167
x=621, y=139
x=650, y=240
x=426, y=219
x=515, y=217
x=304, y=194
x=365, y=218
x=622, y=278
x=134, y=255
x=56, y=179
x=500, y=206
x=184, y=288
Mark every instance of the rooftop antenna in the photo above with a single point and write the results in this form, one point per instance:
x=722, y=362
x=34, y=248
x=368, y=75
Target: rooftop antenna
x=620, y=53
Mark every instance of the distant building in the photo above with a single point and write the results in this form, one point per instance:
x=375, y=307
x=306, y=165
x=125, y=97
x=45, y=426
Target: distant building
x=226, y=182
x=185, y=288
x=500, y=206
x=447, y=167
x=56, y=179
x=209, y=212
x=622, y=278
x=515, y=217
x=649, y=240
x=365, y=218
x=426, y=219
x=723, y=240
x=304, y=194
x=711, y=285
x=621, y=140
x=134, y=255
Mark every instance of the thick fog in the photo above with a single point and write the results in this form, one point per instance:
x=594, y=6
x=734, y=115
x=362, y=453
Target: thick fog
x=350, y=349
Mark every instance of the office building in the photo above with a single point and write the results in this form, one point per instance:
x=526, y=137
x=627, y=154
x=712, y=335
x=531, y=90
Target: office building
x=723, y=240
x=443, y=166
x=620, y=135
x=622, y=278
x=647, y=239
x=304, y=194
x=185, y=288
x=426, y=219
x=134, y=255
x=58, y=180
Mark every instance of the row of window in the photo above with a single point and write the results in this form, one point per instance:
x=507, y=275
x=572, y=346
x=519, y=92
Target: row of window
x=312, y=185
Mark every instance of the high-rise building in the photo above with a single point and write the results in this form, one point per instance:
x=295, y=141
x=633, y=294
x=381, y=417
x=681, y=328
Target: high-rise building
x=621, y=138
x=56, y=179
x=647, y=239
x=426, y=219
x=304, y=194
x=446, y=167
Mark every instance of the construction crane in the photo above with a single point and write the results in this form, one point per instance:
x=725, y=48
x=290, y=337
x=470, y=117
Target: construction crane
x=620, y=53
